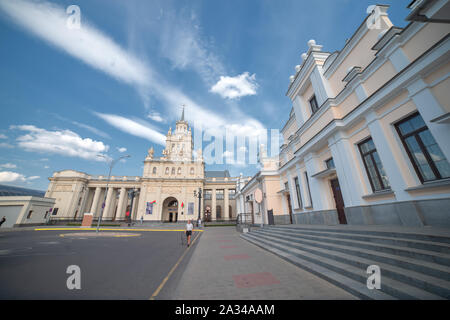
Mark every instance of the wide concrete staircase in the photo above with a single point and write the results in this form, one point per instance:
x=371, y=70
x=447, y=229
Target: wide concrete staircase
x=414, y=263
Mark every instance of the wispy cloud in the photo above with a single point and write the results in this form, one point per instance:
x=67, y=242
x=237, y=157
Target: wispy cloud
x=63, y=142
x=8, y=166
x=48, y=22
x=122, y=149
x=236, y=87
x=2, y=136
x=133, y=127
x=6, y=145
x=155, y=116
x=183, y=44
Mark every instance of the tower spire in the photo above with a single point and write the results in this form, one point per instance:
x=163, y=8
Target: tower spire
x=182, y=113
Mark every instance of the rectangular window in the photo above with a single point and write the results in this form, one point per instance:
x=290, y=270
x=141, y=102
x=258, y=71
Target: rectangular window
x=299, y=195
x=207, y=195
x=374, y=168
x=313, y=104
x=423, y=151
x=329, y=163
x=309, y=190
x=219, y=194
x=231, y=193
x=286, y=186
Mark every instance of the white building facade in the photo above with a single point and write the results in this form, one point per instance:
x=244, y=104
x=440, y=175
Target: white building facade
x=368, y=137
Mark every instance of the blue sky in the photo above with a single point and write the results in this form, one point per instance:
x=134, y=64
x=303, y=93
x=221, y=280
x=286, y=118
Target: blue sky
x=63, y=101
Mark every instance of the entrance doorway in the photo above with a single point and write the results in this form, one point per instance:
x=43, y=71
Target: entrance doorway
x=288, y=197
x=170, y=210
x=338, y=200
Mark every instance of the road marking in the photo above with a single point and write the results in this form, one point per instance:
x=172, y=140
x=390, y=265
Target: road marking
x=172, y=270
x=107, y=229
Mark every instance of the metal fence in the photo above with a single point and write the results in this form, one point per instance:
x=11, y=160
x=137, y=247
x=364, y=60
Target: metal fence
x=244, y=222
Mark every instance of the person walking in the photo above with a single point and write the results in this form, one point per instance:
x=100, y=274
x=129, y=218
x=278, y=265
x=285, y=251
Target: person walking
x=142, y=219
x=2, y=221
x=199, y=223
x=189, y=227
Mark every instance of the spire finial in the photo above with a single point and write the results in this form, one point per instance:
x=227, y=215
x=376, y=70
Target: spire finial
x=182, y=113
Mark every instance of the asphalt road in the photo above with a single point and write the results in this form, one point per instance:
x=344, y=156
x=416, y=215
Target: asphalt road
x=33, y=265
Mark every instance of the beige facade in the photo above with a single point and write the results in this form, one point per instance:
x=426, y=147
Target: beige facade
x=25, y=210
x=367, y=139
x=164, y=193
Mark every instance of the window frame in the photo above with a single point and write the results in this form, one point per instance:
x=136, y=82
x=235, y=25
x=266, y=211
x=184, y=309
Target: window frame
x=377, y=170
x=316, y=104
x=422, y=147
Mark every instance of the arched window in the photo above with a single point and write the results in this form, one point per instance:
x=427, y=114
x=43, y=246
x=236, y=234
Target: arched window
x=154, y=170
x=173, y=170
x=179, y=171
x=218, y=212
x=167, y=170
x=192, y=170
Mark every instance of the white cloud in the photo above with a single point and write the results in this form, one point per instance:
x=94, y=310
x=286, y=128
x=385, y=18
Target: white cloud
x=8, y=166
x=133, y=127
x=64, y=142
x=155, y=116
x=46, y=167
x=10, y=176
x=122, y=150
x=236, y=87
x=48, y=22
x=2, y=136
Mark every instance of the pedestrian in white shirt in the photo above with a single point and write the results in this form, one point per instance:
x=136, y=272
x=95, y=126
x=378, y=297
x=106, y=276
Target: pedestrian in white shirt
x=189, y=227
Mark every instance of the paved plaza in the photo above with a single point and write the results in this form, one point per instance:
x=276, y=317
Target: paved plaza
x=150, y=264
x=223, y=266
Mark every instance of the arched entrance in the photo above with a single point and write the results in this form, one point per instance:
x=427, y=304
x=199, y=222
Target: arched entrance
x=170, y=210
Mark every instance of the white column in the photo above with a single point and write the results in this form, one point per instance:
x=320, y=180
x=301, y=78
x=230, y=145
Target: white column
x=290, y=181
x=226, y=204
x=349, y=180
x=317, y=186
x=320, y=86
x=95, y=201
x=213, y=204
x=429, y=108
x=303, y=191
x=399, y=59
x=108, y=202
x=120, y=215
x=398, y=184
x=300, y=111
x=283, y=198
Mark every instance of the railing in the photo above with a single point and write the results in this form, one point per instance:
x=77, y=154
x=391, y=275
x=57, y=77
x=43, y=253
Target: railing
x=243, y=222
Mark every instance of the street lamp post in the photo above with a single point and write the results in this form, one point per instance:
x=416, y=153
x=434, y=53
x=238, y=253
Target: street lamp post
x=199, y=196
x=111, y=165
x=131, y=193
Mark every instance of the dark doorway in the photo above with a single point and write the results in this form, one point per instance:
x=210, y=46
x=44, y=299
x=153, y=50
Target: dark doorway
x=288, y=197
x=270, y=217
x=338, y=200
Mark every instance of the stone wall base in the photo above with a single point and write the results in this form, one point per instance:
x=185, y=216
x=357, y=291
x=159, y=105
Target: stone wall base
x=417, y=213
